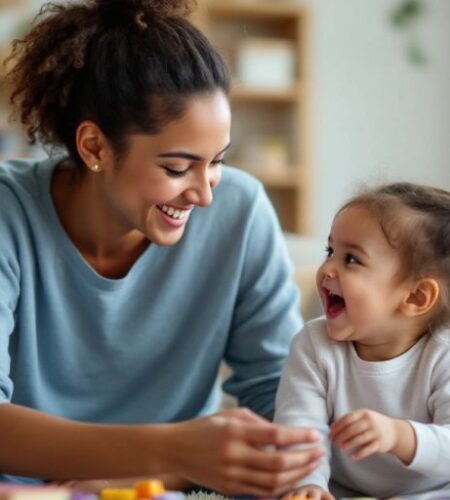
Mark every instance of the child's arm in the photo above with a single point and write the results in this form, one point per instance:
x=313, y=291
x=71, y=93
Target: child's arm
x=424, y=447
x=365, y=432
x=302, y=395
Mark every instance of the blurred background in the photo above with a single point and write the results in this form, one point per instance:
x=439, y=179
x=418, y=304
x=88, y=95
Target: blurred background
x=327, y=95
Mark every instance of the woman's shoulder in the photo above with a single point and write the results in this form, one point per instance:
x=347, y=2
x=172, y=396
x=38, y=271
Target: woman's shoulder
x=238, y=185
x=21, y=189
x=19, y=175
x=241, y=205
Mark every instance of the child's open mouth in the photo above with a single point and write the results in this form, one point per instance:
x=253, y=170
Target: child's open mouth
x=335, y=304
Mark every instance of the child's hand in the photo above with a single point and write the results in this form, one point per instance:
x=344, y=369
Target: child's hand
x=365, y=431
x=309, y=491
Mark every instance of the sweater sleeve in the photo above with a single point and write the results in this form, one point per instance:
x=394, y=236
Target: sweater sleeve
x=432, y=456
x=266, y=315
x=302, y=395
x=9, y=287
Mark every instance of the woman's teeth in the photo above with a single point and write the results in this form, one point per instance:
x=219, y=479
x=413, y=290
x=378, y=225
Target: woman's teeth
x=174, y=213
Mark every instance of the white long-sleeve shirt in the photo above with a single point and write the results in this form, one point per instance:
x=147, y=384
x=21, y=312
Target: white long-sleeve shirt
x=323, y=380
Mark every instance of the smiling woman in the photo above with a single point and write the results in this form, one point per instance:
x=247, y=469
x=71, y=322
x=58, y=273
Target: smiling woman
x=133, y=263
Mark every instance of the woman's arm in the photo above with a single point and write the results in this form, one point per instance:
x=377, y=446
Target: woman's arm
x=224, y=451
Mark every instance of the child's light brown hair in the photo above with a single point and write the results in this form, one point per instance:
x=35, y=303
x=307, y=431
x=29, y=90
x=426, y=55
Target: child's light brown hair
x=416, y=222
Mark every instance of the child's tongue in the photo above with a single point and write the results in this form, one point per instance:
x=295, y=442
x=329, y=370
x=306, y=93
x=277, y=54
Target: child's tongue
x=336, y=305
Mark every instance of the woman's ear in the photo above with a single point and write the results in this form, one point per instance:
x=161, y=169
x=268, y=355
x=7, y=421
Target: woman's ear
x=91, y=143
x=421, y=297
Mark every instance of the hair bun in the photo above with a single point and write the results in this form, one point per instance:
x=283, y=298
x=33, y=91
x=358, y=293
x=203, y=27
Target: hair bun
x=160, y=8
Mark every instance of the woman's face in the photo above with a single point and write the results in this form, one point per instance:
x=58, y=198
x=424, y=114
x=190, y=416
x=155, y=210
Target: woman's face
x=167, y=175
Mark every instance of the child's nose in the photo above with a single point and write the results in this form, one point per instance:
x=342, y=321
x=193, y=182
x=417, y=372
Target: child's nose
x=328, y=270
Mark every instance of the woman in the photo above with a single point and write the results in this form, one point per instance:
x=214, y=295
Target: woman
x=122, y=286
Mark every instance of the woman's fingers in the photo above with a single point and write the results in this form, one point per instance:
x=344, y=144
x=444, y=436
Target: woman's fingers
x=236, y=452
x=278, y=435
x=271, y=484
x=280, y=479
x=278, y=461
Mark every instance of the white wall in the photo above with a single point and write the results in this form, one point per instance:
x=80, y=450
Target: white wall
x=376, y=116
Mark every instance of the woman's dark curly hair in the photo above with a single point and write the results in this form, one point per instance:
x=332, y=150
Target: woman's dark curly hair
x=127, y=65
x=416, y=222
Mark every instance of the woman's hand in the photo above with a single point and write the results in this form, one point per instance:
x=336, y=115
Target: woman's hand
x=238, y=452
x=368, y=432
x=309, y=491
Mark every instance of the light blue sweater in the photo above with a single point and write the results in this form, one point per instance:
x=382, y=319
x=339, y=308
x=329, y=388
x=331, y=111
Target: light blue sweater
x=147, y=347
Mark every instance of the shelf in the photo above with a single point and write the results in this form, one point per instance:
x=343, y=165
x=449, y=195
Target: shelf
x=244, y=94
x=11, y=3
x=285, y=180
x=262, y=115
x=271, y=9
x=288, y=178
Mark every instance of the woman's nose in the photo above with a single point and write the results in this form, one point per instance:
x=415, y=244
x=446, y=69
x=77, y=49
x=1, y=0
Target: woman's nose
x=200, y=193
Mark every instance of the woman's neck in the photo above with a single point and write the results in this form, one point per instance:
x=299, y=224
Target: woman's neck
x=99, y=233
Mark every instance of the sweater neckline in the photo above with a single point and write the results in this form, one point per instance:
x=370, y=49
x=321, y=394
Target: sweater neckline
x=67, y=247
x=389, y=365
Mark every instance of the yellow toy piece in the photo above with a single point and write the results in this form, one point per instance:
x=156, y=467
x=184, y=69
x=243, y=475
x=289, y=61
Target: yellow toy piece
x=149, y=489
x=118, y=494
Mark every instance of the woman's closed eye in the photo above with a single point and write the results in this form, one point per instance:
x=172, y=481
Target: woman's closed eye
x=174, y=172
x=180, y=172
x=219, y=161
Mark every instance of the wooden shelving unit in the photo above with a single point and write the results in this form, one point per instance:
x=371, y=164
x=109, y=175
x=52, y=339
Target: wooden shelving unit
x=12, y=137
x=268, y=115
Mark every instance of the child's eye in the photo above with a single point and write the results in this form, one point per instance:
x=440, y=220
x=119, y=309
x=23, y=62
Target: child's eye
x=218, y=162
x=329, y=251
x=351, y=259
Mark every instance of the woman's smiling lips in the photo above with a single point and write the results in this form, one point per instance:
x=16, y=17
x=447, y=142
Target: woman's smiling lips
x=173, y=215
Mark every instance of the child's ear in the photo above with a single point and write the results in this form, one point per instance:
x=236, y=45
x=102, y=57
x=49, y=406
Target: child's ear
x=421, y=297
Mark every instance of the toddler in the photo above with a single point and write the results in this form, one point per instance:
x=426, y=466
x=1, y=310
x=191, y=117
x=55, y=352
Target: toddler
x=376, y=368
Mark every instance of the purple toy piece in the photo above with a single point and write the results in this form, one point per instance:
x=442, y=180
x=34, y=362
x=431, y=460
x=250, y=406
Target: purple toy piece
x=78, y=495
x=170, y=495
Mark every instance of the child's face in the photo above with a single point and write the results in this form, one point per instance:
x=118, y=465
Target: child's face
x=358, y=282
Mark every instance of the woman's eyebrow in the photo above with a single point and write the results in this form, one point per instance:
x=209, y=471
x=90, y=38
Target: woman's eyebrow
x=189, y=156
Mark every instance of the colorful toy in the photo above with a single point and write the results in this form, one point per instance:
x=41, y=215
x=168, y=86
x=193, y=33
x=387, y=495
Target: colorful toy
x=118, y=494
x=23, y=492
x=149, y=489
x=152, y=489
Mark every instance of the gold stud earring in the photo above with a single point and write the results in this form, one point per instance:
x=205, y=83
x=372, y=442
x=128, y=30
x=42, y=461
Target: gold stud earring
x=95, y=168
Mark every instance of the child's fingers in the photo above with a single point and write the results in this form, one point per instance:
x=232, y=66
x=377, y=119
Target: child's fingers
x=350, y=432
x=342, y=423
x=359, y=440
x=307, y=492
x=366, y=451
